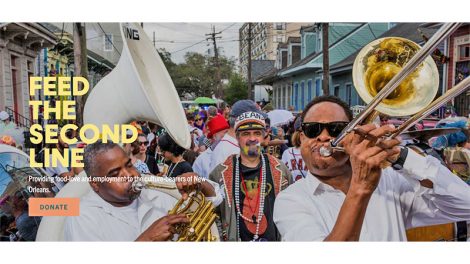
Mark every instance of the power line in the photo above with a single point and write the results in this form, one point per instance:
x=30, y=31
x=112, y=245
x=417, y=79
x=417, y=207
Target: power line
x=222, y=41
x=95, y=37
x=184, y=32
x=188, y=47
x=229, y=40
x=194, y=44
x=106, y=36
x=172, y=41
x=266, y=36
x=228, y=27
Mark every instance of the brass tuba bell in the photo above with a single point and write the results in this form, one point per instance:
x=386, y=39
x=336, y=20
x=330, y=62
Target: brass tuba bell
x=379, y=61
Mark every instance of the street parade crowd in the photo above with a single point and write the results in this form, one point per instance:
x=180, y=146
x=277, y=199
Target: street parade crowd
x=265, y=176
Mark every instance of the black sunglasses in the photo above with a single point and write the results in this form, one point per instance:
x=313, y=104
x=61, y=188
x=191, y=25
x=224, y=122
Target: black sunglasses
x=314, y=129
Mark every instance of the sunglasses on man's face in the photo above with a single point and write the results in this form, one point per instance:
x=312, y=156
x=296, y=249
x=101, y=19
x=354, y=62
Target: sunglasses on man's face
x=143, y=142
x=314, y=129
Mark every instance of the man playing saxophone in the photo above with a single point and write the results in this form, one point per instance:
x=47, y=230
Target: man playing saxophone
x=114, y=211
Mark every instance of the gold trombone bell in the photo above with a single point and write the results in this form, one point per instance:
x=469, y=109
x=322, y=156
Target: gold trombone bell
x=379, y=61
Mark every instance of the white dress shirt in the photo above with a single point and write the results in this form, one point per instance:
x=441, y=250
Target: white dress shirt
x=308, y=209
x=226, y=147
x=101, y=221
x=202, y=164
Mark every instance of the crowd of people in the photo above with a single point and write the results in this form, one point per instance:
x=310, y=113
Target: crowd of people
x=269, y=183
x=160, y=155
x=291, y=194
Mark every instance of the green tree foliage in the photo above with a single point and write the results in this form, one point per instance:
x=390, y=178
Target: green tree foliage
x=194, y=76
x=198, y=74
x=237, y=89
x=166, y=58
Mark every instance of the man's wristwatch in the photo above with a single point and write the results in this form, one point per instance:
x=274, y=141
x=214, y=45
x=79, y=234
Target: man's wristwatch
x=398, y=164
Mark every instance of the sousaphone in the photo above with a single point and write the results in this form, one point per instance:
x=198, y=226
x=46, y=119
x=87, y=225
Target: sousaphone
x=138, y=88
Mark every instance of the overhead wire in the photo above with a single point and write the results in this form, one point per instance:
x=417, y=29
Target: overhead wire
x=107, y=37
x=173, y=52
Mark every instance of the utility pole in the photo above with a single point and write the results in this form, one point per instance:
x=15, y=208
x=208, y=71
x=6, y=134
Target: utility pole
x=213, y=36
x=326, y=60
x=250, y=91
x=81, y=65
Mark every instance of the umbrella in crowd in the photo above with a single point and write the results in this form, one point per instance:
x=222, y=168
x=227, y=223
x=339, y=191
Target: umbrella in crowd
x=204, y=100
x=280, y=117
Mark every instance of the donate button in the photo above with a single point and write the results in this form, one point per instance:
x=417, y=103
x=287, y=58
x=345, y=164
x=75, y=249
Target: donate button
x=54, y=206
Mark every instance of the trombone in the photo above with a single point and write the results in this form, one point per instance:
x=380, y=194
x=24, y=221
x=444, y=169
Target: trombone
x=410, y=66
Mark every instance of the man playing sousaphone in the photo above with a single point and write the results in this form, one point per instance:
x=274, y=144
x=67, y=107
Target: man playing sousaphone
x=349, y=197
x=114, y=211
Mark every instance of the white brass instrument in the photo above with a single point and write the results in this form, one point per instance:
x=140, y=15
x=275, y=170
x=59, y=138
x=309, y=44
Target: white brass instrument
x=138, y=88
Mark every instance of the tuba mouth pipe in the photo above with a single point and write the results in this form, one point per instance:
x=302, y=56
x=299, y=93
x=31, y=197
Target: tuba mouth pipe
x=137, y=185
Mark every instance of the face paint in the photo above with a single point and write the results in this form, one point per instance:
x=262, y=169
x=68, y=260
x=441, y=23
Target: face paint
x=252, y=148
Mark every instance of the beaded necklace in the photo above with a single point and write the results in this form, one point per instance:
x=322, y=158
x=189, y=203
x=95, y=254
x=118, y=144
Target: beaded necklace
x=261, y=199
x=174, y=167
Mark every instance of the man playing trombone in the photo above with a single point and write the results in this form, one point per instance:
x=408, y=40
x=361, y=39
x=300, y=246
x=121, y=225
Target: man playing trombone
x=350, y=196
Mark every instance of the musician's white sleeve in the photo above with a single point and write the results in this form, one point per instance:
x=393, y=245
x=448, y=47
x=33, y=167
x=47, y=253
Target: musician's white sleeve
x=218, y=198
x=447, y=201
x=197, y=167
x=82, y=228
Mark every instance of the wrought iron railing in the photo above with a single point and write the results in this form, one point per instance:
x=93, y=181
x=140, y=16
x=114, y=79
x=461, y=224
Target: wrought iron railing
x=18, y=118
